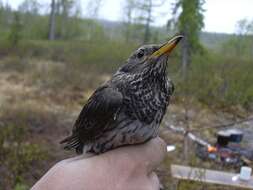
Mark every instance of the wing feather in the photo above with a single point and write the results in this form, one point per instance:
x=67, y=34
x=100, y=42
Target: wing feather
x=95, y=116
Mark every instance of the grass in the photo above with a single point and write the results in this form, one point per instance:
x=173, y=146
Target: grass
x=39, y=103
x=29, y=140
x=217, y=81
x=213, y=79
x=43, y=86
x=19, y=154
x=102, y=56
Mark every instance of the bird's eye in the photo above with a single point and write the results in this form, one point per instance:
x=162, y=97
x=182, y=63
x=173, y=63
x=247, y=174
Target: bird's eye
x=140, y=54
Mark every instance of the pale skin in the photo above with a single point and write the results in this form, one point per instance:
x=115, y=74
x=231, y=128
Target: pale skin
x=126, y=168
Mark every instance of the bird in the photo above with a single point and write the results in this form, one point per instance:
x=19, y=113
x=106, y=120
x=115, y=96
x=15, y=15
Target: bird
x=127, y=109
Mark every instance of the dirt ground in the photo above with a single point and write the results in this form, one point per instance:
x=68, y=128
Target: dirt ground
x=49, y=112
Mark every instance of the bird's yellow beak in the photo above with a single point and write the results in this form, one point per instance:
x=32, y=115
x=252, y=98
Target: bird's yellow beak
x=167, y=47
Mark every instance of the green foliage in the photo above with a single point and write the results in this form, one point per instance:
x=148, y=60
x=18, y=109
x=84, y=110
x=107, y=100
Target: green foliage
x=13, y=63
x=217, y=80
x=31, y=30
x=106, y=55
x=67, y=19
x=214, y=79
x=238, y=45
x=244, y=27
x=92, y=31
x=84, y=54
x=21, y=186
x=17, y=155
x=15, y=32
x=191, y=21
x=29, y=7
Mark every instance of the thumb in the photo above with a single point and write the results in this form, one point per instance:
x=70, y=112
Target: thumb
x=153, y=153
x=147, y=156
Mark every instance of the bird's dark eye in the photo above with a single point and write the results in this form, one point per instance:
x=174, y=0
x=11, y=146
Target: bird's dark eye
x=140, y=54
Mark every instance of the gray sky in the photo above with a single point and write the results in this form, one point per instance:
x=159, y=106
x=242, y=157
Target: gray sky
x=220, y=15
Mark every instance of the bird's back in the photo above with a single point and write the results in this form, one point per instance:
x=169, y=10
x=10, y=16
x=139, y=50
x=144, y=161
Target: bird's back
x=137, y=121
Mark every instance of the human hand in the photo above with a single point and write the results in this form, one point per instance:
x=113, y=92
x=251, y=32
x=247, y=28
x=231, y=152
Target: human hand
x=126, y=168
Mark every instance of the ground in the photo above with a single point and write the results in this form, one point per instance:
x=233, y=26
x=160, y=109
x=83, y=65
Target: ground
x=42, y=99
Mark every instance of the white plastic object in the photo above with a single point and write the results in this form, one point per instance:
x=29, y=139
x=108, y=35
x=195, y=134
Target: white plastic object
x=245, y=173
x=171, y=148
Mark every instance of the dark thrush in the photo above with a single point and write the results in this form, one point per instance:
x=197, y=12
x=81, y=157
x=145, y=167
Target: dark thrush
x=128, y=108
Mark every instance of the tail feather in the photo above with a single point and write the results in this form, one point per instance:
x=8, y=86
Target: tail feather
x=73, y=142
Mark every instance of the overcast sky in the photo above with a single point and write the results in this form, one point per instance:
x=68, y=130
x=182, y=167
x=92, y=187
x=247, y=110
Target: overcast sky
x=220, y=15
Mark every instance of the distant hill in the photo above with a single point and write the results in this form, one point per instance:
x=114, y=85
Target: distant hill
x=208, y=39
x=214, y=40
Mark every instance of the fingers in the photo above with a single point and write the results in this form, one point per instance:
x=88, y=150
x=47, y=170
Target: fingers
x=153, y=154
x=145, y=157
x=127, y=165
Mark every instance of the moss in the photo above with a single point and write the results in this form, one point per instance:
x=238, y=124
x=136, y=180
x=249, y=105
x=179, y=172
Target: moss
x=18, y=155
x=20, y=186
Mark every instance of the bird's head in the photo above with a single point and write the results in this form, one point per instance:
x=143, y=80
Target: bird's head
x=150, y=58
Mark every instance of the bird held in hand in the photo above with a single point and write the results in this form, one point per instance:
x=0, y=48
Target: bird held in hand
x=128, y=108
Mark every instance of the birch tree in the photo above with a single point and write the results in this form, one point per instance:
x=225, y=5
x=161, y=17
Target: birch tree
x=128, y=9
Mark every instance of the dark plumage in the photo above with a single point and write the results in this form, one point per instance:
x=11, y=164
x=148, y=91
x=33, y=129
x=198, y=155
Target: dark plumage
x=129, y=108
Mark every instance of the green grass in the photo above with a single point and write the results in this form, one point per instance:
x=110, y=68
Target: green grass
x=59, y=74
x=218, y=81
x=214, y=79
x=104, y=55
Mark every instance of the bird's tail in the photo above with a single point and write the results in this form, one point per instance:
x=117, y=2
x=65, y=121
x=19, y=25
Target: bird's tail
x=73, y=142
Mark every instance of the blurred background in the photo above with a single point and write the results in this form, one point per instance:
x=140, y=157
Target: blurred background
x=54, y=53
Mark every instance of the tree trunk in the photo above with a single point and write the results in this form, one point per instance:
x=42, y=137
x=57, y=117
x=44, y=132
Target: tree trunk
x=65, y=7
x=148, y=21
x=51, y=35
x=185, y=57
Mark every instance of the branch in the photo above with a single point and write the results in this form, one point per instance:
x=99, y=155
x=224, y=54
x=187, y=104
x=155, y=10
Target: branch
x=189, y=135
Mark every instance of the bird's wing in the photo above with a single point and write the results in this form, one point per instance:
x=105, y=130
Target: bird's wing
x=100, y=109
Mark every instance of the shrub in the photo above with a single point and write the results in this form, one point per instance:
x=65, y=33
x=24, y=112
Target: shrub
x=18, y=153
x=218, y=80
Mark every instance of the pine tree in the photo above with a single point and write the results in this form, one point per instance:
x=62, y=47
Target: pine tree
x=189, y=23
